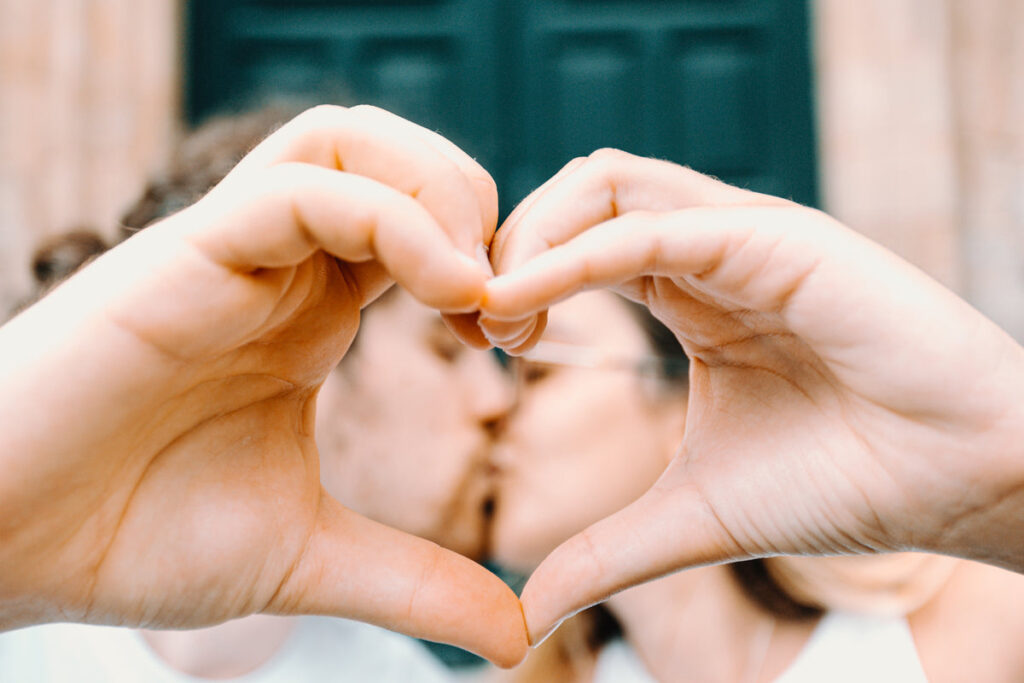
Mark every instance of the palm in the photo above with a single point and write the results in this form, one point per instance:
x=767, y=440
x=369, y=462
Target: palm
x=221, y=487
x=767, y=417
x=183, y=486
x=825, y=409
x=787, y=396
x=765, y=404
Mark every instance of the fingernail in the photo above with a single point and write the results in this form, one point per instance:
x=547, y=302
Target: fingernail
x=509, y=334
x=500, y=340
x=475, y=263
x=482, y=258
x=540, y=641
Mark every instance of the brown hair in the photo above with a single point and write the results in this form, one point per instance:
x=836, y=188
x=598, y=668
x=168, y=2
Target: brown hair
x=58, y=258
x=201, y=160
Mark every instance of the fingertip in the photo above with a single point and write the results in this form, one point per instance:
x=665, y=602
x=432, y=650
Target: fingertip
x=457, y=285
x=507, y=333
x=466, y=328
x=499, y=302
x=484, y=616
x=544, y=609
x=488, y=192
x=511, y=636
x=540, y=325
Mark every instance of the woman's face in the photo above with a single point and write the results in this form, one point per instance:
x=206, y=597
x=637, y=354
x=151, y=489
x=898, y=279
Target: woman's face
x=405, y=426
x=583, y=442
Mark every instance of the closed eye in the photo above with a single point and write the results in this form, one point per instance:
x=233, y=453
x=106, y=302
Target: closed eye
x=443, y=344
x=532, y=373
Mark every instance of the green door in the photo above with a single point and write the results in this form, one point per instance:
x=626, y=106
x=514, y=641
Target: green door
x=723, y=86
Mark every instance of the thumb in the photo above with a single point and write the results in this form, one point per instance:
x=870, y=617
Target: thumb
x=359, y=569
x=665, y=530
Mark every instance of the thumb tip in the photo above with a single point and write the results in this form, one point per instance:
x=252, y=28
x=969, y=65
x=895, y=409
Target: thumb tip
x=539, y=616
x=508, y=640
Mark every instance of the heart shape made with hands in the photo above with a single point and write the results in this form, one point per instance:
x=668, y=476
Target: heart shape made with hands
x=198, y=346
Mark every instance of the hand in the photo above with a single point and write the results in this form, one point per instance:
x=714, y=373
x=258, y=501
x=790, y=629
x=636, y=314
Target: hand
x=179, y=484
x=840, y=400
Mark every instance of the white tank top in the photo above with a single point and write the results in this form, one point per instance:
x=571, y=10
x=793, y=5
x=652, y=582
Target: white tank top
x=844, y=648
x=320, y=649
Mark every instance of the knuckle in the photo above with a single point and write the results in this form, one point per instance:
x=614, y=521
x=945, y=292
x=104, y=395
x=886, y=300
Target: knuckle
x=321, y=113
x=487, y=183
x=609, y=154
x=577, y=162
x=366, y=109
x=605, y=162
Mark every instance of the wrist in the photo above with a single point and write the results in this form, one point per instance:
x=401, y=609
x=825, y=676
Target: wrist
x=988, y=522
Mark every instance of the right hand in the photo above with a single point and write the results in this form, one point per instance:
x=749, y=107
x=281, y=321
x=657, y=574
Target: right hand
x=157, y=460
x=840, y=400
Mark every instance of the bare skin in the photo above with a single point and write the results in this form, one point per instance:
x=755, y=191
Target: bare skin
x=181, y=487
x=840, y=402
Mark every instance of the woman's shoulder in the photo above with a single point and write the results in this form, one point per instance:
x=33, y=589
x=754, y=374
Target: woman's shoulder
x=972, y=629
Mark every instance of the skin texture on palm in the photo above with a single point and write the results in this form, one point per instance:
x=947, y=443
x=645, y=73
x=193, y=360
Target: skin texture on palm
x=182, y=485
x=840, y=400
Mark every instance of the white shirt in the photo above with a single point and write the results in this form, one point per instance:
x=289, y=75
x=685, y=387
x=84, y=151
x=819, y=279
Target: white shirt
x=844, y=648
x=847, y=647
x=320, y=649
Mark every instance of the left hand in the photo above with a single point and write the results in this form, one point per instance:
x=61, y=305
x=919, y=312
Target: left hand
x=840, y=400
x=157, y=460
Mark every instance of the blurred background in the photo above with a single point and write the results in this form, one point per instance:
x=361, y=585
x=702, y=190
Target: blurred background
x=903, y=118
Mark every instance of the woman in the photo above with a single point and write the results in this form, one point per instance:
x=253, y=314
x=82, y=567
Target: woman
x=592, y=432
x=600, y=413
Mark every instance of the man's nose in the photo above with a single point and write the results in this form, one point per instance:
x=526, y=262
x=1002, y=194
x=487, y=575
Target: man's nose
x=490, y=390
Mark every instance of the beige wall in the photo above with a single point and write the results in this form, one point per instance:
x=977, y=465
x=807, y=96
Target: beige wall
x=89, y=97
x=987, y=67
x=886, y=131
x=921, y=116
x=920, y=104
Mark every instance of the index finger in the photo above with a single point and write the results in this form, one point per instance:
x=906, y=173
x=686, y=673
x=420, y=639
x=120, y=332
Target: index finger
x=586, y=193
x=458, y=193
x=608, y=184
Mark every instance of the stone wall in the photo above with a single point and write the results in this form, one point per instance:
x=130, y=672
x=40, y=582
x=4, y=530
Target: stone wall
x=921, y=127
x=88, y=101
x=987, y=65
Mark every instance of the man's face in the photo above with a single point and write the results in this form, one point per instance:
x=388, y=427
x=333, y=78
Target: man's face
x=406, y=423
